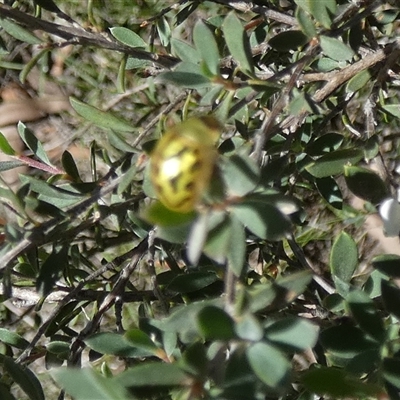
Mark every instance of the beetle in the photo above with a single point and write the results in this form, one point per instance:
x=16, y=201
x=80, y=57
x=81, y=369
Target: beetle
x=182, y=162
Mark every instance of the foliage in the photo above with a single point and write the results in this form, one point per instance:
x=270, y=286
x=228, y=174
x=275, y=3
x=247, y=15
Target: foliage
x=233, y=299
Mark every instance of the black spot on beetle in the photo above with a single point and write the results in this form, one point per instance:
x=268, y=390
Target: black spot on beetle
x=159, y=188
x=190, y=186
x=183, y=150
x=174, y=182
x=197, y=165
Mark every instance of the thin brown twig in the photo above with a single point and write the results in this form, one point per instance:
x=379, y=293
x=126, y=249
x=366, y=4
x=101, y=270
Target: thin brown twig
x=27, y=297
x=268, y=123
x=136, y=254
x=267, y=12
x=118, y=290
x=157, y=118
x=337, y=78
x=39, y=236
x=164, y=11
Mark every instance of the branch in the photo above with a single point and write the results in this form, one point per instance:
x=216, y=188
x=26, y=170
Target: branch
x=136, y=254
x=79, y=36
x=337, y=78
x=24, y=297
x=39, y=235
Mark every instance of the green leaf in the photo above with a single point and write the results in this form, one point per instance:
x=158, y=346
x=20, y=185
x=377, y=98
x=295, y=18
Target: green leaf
x=288, y=40
x=323, y=11
x=18, y=32
x=391, y=298
x=58, y=347
x=337, y=384
x=207, y=47
x=86, y=384
x=128, y=37
x=101, y=118
x=31, y=64
x=187, y=75
x=217, y=244
x=51, y=270
x=118, y=345
x=333, y=163
x=33, y=144
x=69, y=166
x=133, y=63
x=391, y=371
x=300, y=103
x=16, y=201
x=185, y=12
x=373, y=284
x=174, y=233
x=366, y=314
x=247, y=327
x=305, y=22
x=336, y=49
x=192, y=281
x=270, y=365
x=183, y=319
x=365, y=184
x=241, y=174
x=121, y=77
x=389, y=264
x=343, y=257
x=364, y=363
x=263, y=219
x=12, y=339
x=160, y=215
x=25, y=378
x=164, y=31
x=5, y=146
x=195, y=360
x=140, y=340
x=118, y=140
x=330, y=191
x=197, y=237
x=326, y=64
x=52, y=194
x=240, y=381
x=393, y=109
x=358, y=81
x=215, y=324
x=7, y=165
x=5, y=392
x=346, y=341
x=151, y=374
x=323, y=144
x=127, y=178
x=48, y=5
x=238, y=43
x=280, y=292
x=388, y=16
x=185, y=52
x=292, y=333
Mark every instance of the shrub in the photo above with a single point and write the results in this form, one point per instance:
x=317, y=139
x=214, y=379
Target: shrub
x=250, y=277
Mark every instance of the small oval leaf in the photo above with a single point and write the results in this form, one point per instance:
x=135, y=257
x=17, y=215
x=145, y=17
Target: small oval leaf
x=343, y=257
x=336, y=49
x=365, y=184
x=333, y=163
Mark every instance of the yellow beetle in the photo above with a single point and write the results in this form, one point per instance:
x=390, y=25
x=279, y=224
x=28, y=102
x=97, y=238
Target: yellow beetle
x=183, y=161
